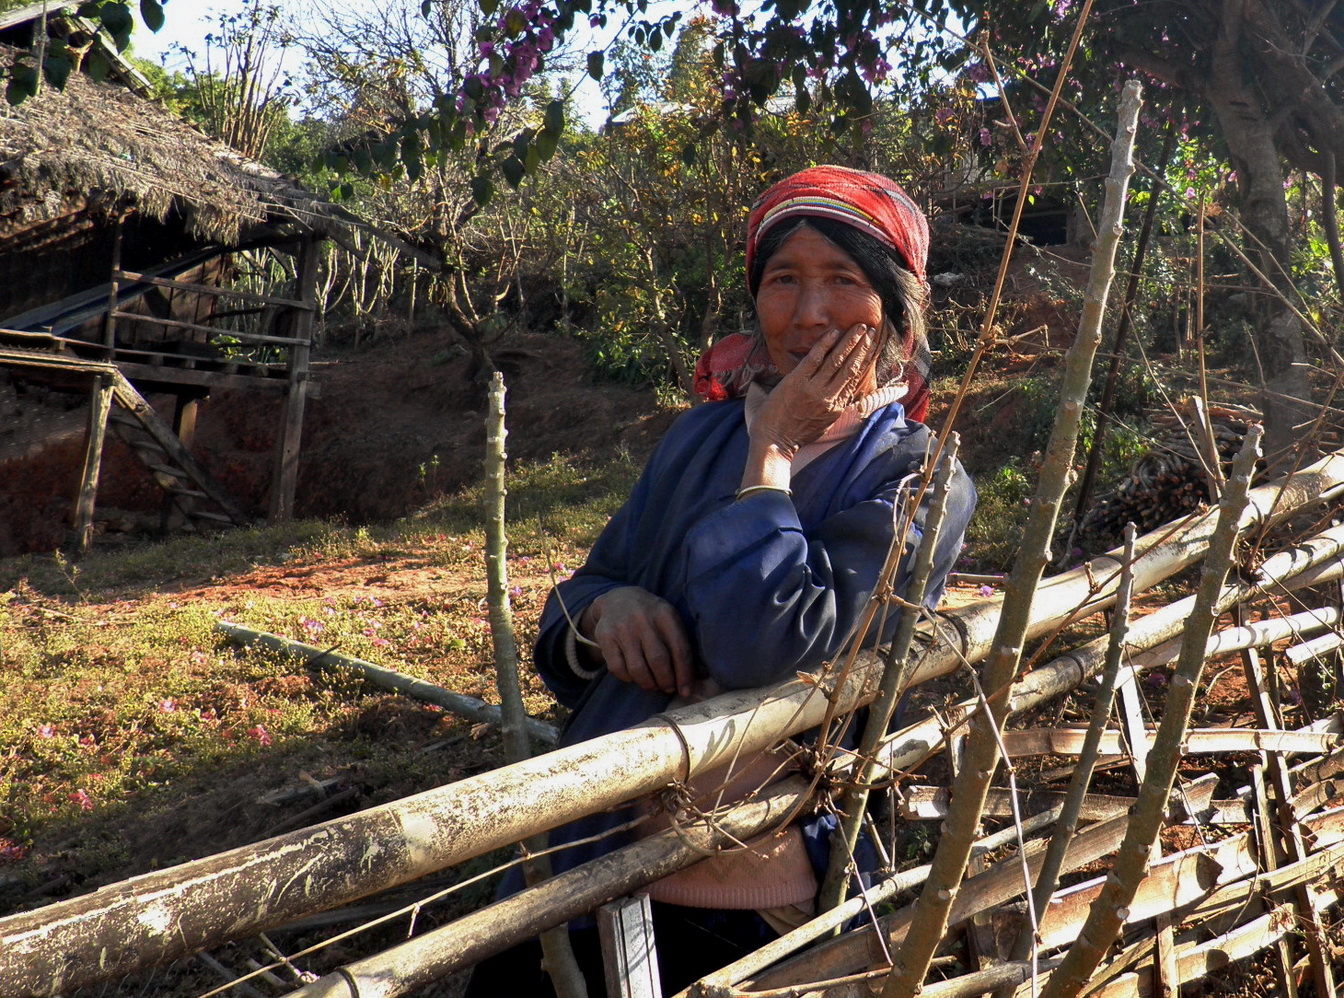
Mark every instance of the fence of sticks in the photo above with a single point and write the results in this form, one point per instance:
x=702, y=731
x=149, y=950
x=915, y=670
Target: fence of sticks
x=1171, y=874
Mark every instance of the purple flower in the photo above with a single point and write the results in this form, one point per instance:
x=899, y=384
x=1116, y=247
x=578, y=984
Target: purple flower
x=986, y=137
x=986, y=591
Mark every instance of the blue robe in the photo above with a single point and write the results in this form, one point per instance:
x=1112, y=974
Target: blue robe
x=765, y=586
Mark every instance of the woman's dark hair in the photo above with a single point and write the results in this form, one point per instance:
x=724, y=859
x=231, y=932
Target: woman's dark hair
x=898, y=289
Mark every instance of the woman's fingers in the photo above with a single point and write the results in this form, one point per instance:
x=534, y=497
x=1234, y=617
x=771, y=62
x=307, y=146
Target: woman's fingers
x=642, y=641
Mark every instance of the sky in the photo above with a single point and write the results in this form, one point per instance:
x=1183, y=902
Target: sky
x=188, y=21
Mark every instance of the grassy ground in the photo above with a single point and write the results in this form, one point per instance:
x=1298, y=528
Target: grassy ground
x=133, y=737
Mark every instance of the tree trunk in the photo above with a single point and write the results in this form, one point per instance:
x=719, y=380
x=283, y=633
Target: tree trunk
x=1279, y=347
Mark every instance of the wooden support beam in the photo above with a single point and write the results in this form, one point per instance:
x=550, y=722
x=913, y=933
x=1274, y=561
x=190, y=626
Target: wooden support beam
x=236, y=334
x=628, y=955
x=100, y=402
x=176, y=508
x=206, y=289
x=284, y=481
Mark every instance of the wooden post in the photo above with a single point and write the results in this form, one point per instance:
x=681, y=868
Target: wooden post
x=626, y=929
x=184, y=425
x=114, y=292
x=285, y=480
x=100, y=402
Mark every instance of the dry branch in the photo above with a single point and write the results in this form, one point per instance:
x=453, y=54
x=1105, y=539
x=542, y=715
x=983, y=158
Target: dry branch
x=388, y=679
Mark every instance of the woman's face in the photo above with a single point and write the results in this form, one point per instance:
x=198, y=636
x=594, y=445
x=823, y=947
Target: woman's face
x=810, y=286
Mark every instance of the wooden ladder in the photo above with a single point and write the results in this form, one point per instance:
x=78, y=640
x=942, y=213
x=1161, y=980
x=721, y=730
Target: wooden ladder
x=153, y=441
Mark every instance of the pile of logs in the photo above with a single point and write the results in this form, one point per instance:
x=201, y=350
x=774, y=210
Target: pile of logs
x=1173, y=477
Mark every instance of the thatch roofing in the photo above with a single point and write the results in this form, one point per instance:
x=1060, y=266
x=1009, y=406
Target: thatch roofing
x=97, y=143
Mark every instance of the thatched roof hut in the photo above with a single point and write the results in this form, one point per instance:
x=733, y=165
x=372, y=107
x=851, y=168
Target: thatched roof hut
x=100, y=145
x=118, y=221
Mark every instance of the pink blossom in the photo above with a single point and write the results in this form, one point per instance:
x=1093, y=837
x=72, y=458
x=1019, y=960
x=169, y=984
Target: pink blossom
x=312, y=626
x=168, y=706
x=81, y=798
x=516, y=591
x=262, y=736
x=46, y=731
x=985, y=137
x=986, y=591
x=11, y=851
x=943, y=115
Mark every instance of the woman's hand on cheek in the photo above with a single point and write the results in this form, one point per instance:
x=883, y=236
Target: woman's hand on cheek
x=641, y=640
x=807, y=400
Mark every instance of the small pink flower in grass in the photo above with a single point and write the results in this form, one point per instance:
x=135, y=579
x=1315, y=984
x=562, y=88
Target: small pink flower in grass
x=380, y=642
x=11, y=851
x=260, y=734
x=209, y=714
x=198, y=657
x=81, y=798
x=46, y=731
x=168, y=706
x=87, y=741
x=516, y=591
x=311, y=626
x=986, y=591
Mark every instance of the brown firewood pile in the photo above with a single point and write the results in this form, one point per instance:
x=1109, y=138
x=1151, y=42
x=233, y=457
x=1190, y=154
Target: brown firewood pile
x=1171, y=479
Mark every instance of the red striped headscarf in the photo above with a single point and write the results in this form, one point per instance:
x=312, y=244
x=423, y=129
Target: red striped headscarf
x=870, y=203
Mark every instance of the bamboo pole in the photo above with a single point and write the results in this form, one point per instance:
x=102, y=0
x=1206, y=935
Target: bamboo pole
x=1024, y=947
x=160, y=915
x=1109, y=911
x=895, y=681
x=428, y=957
x=982, y=750
x=1107, y=401
x=388, y=679
x=983, y=892
x=557, y=954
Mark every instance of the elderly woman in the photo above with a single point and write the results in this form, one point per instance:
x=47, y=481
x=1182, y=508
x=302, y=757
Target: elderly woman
x=755, y=536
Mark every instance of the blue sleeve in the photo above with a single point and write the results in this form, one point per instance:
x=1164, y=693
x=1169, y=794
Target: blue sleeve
x=766, y=597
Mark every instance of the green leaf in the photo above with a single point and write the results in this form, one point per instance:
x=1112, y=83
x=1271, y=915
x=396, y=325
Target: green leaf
x=117, y=20
x=555, y=118
x=488, y=7
x=513, y=170
x=514, y=22
x=482, y=189
x=425, y=7
x=546, y=145
x=595, y=60
x=57, y=68
x=97, y=66
x=151, y=12
x=22, y=84
x=89, y=9
x=532, y=160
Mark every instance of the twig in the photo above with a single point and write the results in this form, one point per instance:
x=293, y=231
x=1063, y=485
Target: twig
x=895, y=680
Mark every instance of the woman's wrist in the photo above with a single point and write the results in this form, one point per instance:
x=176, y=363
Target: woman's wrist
x=769, y=466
